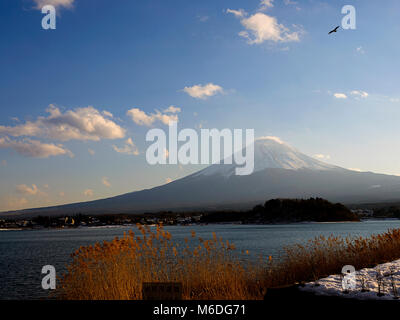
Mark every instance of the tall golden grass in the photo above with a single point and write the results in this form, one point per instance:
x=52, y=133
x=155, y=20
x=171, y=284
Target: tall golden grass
x=210, y=269
x=207, y=269
x=323, y=256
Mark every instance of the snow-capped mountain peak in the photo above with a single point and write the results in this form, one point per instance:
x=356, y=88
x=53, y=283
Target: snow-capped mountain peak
x=272, y=152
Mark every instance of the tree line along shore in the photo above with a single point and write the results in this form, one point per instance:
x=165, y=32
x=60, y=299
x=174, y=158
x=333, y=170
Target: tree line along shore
x=272, y=211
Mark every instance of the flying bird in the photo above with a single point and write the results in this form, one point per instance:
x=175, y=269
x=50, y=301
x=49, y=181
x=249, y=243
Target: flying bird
x=334, y=30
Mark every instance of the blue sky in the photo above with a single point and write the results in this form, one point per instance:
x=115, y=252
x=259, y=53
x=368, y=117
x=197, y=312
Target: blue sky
x=333, y=97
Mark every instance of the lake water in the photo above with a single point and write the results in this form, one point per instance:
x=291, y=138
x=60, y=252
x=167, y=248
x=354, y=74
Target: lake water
x=24, y=253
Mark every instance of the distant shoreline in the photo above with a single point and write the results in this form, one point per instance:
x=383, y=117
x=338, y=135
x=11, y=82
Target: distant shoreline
x=197, y=224
x=272, y=212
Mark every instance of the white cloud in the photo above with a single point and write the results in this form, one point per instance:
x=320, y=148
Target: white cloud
x=164, y=118
x=203, y=18
x=237, y=13
x=88, y=193
x=322, y=156
x=56, y=3
x=340, y=96
x=143, y=119
x=24, y=189
x=355, y=169
x=358, y=93
x=34, y=148
x=140, y=117
x=105, y=181
x=107, y=114
x=172, y=109
x=129, y=148
x=203, y=91
x=360, y=50
x=261, y=27
x=129, y=142
x=78, y=124
x=266, y=4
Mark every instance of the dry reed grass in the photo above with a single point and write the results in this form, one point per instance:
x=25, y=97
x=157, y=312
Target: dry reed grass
x=211, y=269
x=323, y=256
x=207, y=269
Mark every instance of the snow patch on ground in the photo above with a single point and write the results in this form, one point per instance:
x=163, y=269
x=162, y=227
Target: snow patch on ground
x=388, y=274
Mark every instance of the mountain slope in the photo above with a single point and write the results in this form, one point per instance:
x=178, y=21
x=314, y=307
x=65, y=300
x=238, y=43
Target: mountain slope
x=280, y=172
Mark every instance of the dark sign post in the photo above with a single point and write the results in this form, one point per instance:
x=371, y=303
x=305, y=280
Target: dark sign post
x=162, y=291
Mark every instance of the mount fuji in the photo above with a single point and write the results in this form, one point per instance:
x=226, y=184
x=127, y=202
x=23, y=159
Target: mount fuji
x=280, y=171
